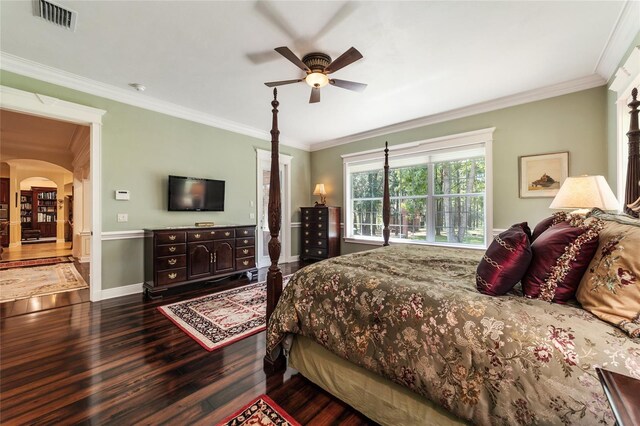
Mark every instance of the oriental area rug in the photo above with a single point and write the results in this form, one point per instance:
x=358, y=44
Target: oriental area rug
x=261, y=411
x=35, y=262
x=222, y=318
x=22, y=283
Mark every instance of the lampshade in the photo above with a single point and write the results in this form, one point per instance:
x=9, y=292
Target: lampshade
x=317, y=79
x=319, y=189
x=585, y=192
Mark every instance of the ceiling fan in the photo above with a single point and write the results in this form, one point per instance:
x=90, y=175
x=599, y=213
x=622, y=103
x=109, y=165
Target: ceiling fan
x=318, y=66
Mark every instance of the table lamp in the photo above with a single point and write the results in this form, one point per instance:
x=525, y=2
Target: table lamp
x=319, y=190
x=583, y=193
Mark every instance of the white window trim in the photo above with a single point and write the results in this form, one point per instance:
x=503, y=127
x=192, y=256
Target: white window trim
x=477, y=137
x=627, y=77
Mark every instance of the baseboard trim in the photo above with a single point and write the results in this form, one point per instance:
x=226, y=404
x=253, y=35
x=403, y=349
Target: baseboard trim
x=126, y=290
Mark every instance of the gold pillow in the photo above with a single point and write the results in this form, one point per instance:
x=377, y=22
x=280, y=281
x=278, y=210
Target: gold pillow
x=610, y=289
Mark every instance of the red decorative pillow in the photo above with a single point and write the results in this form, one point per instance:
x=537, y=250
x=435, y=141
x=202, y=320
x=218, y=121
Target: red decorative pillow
x=505, y=261
x=545, y=224
x=561, y=255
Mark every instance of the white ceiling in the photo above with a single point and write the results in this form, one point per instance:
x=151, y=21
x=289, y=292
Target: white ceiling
x=420, y=58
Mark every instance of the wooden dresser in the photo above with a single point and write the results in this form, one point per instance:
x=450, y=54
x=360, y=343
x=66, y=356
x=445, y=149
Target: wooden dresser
x=178, y=256
x=320, y=232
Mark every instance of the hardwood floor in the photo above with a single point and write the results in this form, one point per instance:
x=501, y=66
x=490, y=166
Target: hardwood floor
x=121, y=362
x=36, y=251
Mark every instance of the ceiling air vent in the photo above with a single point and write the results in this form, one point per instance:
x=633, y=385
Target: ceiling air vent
x=56, y=14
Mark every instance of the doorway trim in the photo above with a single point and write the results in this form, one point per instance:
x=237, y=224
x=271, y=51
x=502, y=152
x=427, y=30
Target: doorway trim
x=285, y=231
x=50, y=107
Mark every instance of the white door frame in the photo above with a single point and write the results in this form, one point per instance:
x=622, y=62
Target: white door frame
x=285, y=231
x=57, y=109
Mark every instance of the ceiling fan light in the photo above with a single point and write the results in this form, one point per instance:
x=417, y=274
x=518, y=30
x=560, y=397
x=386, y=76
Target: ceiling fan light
x=317, y=79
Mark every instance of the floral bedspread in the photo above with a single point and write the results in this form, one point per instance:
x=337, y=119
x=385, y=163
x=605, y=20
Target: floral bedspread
x=412, y=314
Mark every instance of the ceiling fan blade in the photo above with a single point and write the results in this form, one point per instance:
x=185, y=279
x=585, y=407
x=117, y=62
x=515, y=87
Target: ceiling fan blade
x=268, y=10
x=348, y=57
x=284, y=51
x=315, y=95
x=282, y=83
x=341, y=14
x=349, y=85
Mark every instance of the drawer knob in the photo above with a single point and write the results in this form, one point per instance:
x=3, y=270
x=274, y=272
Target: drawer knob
x=306, y=225
x=319, y=252
x=245, y=262
x=306, y=250
x=245, y=251
x=172, y=249
x=213, y=232
x=319, y=234
x=319, y=243
x=172, y=261
x=319, y=225
x=197, y=235
x=306, y=241
x=245, y=232
x=306, y=232
x=226, y=234
x=246, y=241
x=172, y=237
x=172, y=275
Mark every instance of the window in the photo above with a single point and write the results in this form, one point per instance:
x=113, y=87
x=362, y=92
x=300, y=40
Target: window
x=438, y=193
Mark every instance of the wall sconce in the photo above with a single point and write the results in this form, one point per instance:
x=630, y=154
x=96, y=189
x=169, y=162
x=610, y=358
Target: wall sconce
x=321, y=192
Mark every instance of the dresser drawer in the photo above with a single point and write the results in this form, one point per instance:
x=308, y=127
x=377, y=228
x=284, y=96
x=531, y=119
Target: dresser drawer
x=317, y=226
x=314, y=243
x=314, y=215
x=204, y=235
x=171, y=250
x=245, y=252
x=168, y=237
x=171, y=276
x=245, y=242
x=245, y=263
x=245, y=232
x=171, y=262
x=312, y=233
x=222, y=234
x=314, y=252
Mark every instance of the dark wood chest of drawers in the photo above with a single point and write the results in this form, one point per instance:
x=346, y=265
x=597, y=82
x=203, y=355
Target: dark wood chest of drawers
x=320, y=232
x=179, y=256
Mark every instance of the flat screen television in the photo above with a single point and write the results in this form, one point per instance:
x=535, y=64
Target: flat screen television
x=195, y=194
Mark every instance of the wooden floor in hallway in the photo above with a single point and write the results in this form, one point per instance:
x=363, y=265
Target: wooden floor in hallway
x=121, y=362
x=36, y=251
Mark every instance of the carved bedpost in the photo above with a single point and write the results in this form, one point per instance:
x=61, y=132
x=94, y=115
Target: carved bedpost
x=274, y=275
x=632, y=191
x=386, y=204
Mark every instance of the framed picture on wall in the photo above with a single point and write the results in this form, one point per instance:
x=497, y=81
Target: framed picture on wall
x=541, y=175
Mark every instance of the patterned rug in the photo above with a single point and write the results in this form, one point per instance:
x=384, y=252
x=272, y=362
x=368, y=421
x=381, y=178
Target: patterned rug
x=219, y=319
x=35, y=262
x=22, y=283
x=261, y=411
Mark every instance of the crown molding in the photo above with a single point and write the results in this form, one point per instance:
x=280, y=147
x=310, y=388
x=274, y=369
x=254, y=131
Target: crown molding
x=28, y=68
x=621, y=36
x=559, y=89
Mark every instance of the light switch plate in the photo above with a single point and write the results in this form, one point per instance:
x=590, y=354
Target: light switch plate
x=122, y=194
x=123, y=217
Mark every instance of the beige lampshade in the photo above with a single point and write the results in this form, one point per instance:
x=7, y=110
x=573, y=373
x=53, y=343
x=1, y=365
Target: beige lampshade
x=319, y=189
x=585, y=192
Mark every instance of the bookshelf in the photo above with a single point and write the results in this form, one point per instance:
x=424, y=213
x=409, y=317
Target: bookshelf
x=26, y=209
x=39, y=211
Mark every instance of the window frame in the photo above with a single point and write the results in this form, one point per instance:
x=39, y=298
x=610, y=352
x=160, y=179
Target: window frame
x=482, y=138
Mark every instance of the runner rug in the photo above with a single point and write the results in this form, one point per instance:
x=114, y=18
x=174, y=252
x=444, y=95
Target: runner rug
x=35, y=262
x=22, y=283
x=261, y=411
x=219, y=319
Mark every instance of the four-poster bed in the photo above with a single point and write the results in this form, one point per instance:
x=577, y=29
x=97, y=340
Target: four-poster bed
x=401, y=334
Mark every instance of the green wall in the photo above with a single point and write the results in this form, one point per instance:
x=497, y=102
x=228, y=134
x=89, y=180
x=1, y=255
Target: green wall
x=575, y=122
x=141, y=147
